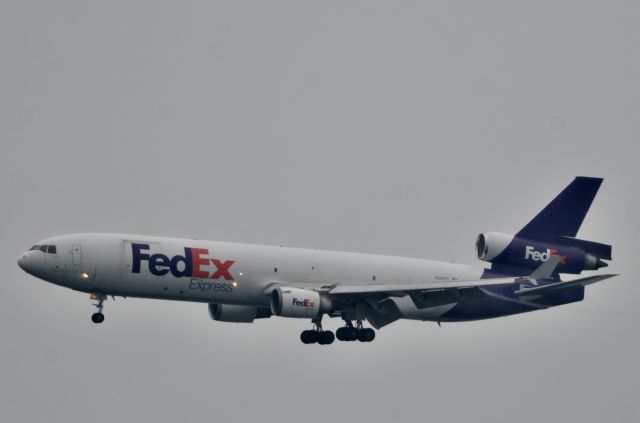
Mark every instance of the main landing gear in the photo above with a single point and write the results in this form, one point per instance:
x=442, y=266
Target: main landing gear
x=347, y=333
x=98, y=317
x=350, y=333
x=322, y=337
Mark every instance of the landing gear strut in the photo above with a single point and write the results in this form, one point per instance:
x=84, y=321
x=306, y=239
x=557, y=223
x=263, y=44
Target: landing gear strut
x=98, y=317
x=350, y=333
x=322, y=337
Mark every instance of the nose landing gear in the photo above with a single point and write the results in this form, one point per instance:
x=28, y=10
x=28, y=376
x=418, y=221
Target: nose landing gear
x=98, y=317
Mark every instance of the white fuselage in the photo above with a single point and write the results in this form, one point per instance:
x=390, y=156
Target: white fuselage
x=222, y=272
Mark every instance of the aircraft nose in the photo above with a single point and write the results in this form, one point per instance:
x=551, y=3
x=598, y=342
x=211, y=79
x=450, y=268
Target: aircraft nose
x=22, y=262
x=28, y=263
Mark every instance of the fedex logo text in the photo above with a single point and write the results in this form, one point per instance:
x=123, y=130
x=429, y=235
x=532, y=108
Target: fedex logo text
x=302, y=303
x=189, y=265
x=531, y=253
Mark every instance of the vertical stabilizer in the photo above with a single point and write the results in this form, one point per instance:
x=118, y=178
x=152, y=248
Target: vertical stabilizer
x=563, y=216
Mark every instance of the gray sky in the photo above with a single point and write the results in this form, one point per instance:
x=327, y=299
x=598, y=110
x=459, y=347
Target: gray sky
x=399, y=128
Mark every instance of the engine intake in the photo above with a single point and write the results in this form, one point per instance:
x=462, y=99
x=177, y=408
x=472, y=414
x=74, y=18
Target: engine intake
x=490, y=244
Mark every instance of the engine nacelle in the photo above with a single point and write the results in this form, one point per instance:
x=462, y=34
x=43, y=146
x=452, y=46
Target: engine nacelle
x=237, y=313
x=300, y=303
x=509, y=250
x=490, y=244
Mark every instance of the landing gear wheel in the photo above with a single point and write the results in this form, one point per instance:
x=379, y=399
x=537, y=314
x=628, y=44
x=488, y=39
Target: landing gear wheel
x=330, y=337
x=322, y=337
x=371, y=334
x=366, y=335
x=309, y=336
x=347, y=333
x=97, y=317
x=353, y=334
x=325, y=337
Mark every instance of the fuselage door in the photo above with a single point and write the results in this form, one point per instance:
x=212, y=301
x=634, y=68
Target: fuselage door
x=76, y=254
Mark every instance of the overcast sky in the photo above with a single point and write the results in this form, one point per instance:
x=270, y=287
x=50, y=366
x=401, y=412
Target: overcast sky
x=398, y=127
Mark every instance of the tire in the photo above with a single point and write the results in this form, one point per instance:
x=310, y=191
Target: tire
x=312, y=336
x=322, y=338
x=328, y=337
x=340, y=334
x=308, y=336
x=351, y=334
x=97, y=318
x=362, y=335
x=370, y=334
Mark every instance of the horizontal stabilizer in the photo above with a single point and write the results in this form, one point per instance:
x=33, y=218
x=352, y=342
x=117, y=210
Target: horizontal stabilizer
x=554, y=287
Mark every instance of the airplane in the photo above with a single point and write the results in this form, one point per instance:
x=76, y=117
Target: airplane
x=244, y=282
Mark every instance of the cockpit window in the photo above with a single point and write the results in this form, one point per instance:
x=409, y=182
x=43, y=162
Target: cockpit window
x=49, y=249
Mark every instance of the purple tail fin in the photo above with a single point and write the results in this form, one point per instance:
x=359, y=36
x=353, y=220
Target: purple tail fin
x=563, y=216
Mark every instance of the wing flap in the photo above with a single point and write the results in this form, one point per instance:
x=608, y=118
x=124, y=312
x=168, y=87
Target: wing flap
x=546, y=269
x=546, y=289
x=435, y=298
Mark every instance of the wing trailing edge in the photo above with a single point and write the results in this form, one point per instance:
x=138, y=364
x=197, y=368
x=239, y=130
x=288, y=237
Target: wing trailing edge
x=555, y=287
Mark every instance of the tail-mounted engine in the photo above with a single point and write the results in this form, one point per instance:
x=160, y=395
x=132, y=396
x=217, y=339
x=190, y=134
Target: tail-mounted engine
x=508, y=250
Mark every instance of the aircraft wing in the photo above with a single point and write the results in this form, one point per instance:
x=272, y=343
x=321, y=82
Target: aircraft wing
x=438, y=293
x=399, y=289
x=544, y=271
x=423, y=295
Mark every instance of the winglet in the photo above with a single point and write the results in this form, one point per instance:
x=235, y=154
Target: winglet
x=546, y=269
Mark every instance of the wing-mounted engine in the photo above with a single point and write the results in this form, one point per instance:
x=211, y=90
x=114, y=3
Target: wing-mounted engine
x=513, y=251
x=298, y=302
x=237, y=313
